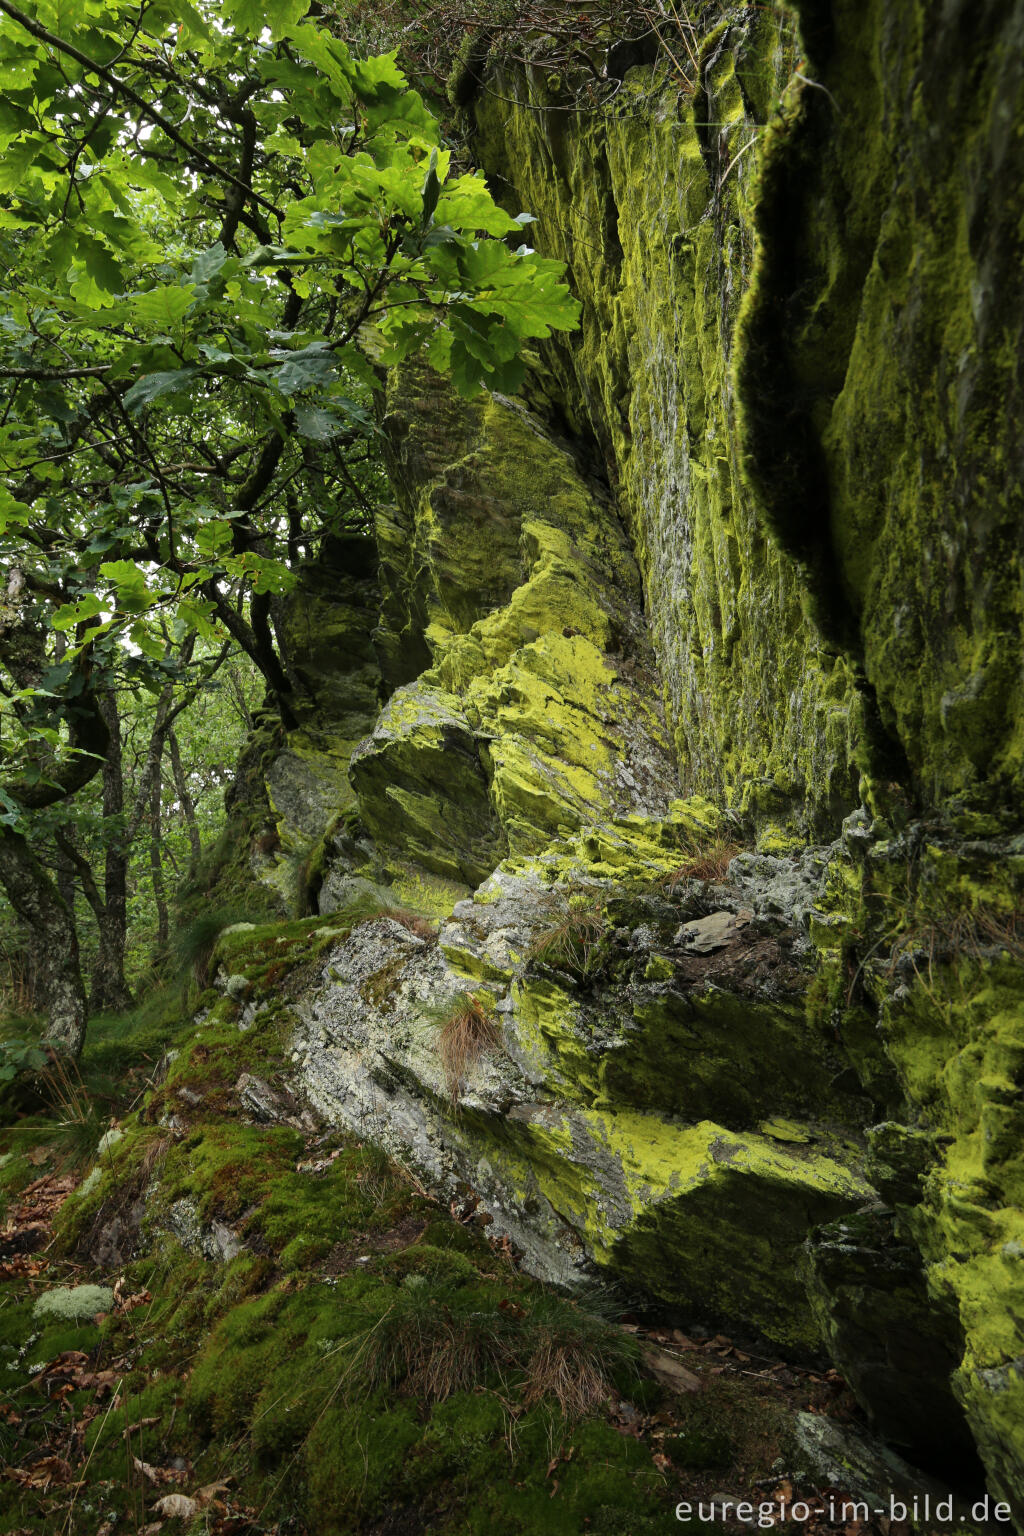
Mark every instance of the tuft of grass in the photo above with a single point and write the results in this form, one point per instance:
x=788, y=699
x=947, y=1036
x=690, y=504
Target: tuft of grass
x=574, y=1358
x=951, y=937
x=467, y=1028
x=371, y=905
x=429, y=1348
x=421, y=926
x=706, y=861
x=434, y=1341
x=69, y=1124
x=195, y=942
x=571, y=941
x=78, y=1123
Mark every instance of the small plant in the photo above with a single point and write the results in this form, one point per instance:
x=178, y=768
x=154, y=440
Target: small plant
x=468, y=1028
x=430, y=1348
x=967, y=935
x=194, y=944
x=71, y=1124
x=574, y=1354
x=372, y=904
x=421, y=926
x=79, y=1122
x=705, y=861
x=571, y=941
x=17, y=986
x=18, y=1056
x=433, y=1342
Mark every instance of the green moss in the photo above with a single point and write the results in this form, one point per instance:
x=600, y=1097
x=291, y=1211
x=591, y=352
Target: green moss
x=929, y=927
x=539, y=710
x=642, y=1190
x=654, y=215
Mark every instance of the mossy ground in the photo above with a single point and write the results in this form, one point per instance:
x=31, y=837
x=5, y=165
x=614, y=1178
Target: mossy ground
x=365, y=1362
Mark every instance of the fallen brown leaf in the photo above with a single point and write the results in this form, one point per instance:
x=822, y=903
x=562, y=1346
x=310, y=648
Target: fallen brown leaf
x=209, y=1491
x=157, y=1474
x=129, y=1303
x=42, y=1474
x=101, y=1381
x=140, y=1424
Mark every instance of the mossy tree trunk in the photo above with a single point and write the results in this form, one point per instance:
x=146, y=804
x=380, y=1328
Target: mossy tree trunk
x=35, y=898
x=156, y=867
x=109, y=987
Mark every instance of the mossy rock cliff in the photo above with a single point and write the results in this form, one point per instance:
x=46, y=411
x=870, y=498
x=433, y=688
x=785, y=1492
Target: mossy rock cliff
x=699, y=728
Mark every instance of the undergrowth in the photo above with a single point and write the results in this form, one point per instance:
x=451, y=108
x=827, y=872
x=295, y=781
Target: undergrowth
x=352, y=1359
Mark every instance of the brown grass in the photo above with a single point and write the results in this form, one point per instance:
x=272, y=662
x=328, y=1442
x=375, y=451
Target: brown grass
x=468, y=1029
x=416, y=923
x=430, y=1352
x=569, y=1371
x=428, y=1346
x=570, y=941
x=707, y=862
x=967, y=935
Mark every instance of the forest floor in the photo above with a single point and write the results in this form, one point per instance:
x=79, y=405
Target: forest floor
x=288, y=1335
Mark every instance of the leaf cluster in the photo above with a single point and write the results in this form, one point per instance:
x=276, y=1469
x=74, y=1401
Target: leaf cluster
x=217, y=225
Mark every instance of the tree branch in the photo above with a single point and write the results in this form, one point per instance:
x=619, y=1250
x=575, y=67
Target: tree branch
x=121, y=87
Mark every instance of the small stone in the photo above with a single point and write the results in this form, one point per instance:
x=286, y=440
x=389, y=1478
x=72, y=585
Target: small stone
x=259, y=1098
x=225, y=1241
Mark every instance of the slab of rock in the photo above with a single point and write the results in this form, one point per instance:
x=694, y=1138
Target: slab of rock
x=259, y=1099
x=841, y=1456
x=713, y=932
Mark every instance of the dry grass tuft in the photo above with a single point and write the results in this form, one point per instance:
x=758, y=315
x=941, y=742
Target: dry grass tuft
x=416, y=923
x=965, y=935
x=707, y=861
x=431, y=1344
x=468, y=1028
x=570, y=942
x=570, y=1372
x=429, y=1351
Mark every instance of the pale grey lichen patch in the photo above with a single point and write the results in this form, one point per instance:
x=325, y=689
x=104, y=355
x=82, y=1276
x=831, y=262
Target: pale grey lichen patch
x=74, y=1304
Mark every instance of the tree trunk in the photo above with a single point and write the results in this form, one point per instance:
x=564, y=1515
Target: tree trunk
x=188, y=809
x=156, y=870
x=37, y=902
x=109, y=987
x=65, y=879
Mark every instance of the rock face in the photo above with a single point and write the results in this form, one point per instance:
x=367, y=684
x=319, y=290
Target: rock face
x=701, y=735
x=801, y=288
x=587, y=1129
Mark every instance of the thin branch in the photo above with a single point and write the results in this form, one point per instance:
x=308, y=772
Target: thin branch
x=121, y=86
